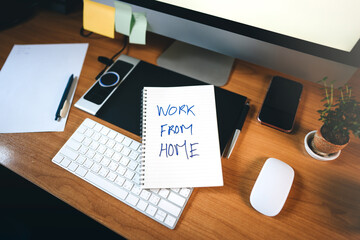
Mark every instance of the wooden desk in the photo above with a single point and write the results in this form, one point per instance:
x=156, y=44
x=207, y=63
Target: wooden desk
x=323, y=202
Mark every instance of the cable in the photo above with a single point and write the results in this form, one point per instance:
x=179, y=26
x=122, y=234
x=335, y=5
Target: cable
x=102, y=59
x=110, y=61
x=82, y=33
x=126, y=40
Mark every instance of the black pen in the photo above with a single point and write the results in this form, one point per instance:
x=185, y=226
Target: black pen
x=240, y=123
x=62, y=104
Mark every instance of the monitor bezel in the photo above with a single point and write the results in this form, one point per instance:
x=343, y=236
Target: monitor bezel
x=351, y=58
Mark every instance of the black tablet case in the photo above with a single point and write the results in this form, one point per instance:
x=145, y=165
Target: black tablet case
x=123, y=108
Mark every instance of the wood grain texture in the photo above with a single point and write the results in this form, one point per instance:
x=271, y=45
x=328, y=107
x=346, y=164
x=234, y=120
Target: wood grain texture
x=323, y=202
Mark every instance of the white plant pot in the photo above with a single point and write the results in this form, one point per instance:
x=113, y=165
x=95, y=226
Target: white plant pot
x=307, y=142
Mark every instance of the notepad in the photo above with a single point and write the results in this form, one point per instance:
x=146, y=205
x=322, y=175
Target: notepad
x=180, y=142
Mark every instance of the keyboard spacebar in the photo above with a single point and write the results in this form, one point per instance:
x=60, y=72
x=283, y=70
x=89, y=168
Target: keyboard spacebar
x=106, y=186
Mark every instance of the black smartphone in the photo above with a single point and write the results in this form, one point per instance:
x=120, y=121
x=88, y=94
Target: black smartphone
x=280, y=104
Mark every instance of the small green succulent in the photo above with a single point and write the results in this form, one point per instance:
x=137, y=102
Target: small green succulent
x=340, y=115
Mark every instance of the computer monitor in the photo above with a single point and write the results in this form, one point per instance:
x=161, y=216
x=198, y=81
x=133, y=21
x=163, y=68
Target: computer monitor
x=306, y=39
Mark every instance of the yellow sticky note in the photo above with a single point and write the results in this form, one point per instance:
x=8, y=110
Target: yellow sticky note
x=138, y=31
x=99, y=18
x=124, y=19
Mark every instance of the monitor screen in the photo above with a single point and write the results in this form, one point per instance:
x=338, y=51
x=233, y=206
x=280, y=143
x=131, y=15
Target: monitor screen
x=336, y=25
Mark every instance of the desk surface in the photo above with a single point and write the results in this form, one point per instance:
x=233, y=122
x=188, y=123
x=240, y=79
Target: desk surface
x=323, y=202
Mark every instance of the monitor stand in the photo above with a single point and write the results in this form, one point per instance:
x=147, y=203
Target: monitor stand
x=199, y=63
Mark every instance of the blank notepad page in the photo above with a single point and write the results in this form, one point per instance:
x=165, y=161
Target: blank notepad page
x=180, y=138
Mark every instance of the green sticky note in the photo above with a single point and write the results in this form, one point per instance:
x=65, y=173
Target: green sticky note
x=138, y=31
x=124, y=19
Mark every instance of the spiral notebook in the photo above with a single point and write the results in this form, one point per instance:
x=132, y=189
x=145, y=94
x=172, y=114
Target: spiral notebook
x=180, y=142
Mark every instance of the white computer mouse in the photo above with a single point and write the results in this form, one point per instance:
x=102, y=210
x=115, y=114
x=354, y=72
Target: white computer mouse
x=272, y=187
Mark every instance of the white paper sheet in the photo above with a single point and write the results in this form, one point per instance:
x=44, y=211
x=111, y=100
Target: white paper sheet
x=32, y=82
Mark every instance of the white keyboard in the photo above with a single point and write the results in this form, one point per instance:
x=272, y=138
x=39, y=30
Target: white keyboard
x=110, y=161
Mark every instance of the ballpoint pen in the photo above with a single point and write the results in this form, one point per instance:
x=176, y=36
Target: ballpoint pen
x=241, y=122
x=63, y=105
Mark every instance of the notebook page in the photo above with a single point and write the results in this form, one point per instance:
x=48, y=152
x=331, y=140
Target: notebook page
x=180, y=138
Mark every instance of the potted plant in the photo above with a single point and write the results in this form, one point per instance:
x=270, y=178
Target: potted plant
x=340, y=116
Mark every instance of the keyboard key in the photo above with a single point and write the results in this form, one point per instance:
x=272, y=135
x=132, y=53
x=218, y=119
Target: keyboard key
x=117, y=156
x=119, y=180
x=133, y=155
x=109, y=153
x=87, y=141
x=118, y=147
x=177, y=199
x=111, y=176
x=129, y=174
x=185, y=192
x=111, y=143
x=119, y=138
x=89, y=132
x=90, y=153
x=112, y=134
x=69, y=153
x=151, y=210
x=169, y=207
x=98, y=157
x=78, y=137
x=125, y=151
x=82, y=129
x=124, y=161
x=176, y=189
x=83, y=150
x=96, y=136
x=105, y=161
x=155, y=190
x=136, y=190
x=133, y=200
x=142, y=205
x=98, y=127
x=96, y=167
x=81, y=159
x=136, y=179
x=75, y=145
x=132, y=165
x=134, y=145
x=58, y=158
x=107, y=186
x=121, y=170
x=105, y=131
x=128, y=185
x=103, y=140
x=127, y=141
x=89, y=123
x=73, y=166
x=88, y=163
x=81, y=171
x=113, y=166
x=94, y=145
x=160, y=215
x=145, y=194
x=164, y=193
x=103, y=172
x=65, y=162
x=170, y=220
x=101, y=149
x=154, y=199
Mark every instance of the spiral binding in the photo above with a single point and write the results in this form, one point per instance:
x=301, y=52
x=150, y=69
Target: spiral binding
x=143, y=135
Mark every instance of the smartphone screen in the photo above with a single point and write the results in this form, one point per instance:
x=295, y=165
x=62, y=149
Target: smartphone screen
x=281, y=104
